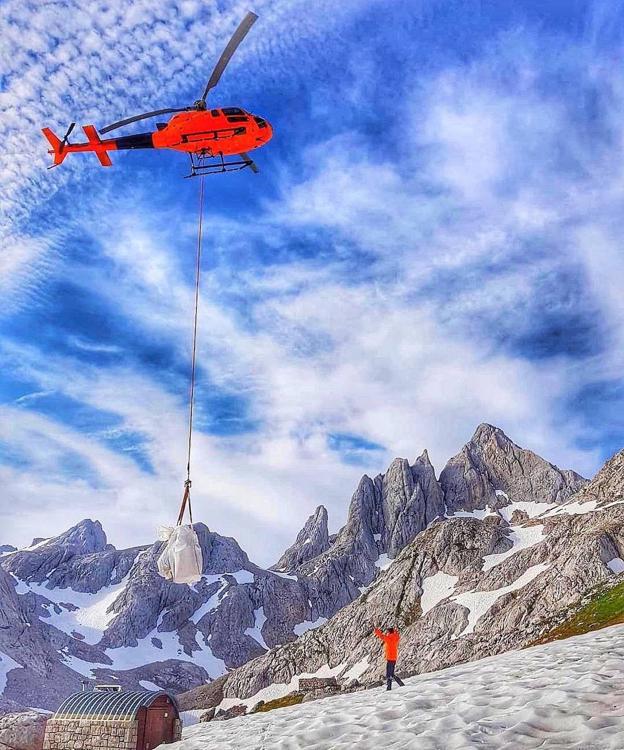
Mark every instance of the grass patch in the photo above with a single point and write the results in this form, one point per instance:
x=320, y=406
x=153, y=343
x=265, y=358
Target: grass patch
x=605, y=608
x=287, y=700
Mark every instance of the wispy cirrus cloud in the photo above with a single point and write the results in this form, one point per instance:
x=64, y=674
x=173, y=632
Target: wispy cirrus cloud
x=414, y=259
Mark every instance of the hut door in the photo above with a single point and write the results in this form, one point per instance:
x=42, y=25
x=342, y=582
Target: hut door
x=158, y=727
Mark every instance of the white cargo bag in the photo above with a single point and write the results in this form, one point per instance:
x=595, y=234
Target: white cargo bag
x=181, y=561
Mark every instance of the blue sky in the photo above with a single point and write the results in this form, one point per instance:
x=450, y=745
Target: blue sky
x=433, y=241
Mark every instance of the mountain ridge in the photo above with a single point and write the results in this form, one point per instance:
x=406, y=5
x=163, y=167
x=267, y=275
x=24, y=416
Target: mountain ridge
x=95, y=612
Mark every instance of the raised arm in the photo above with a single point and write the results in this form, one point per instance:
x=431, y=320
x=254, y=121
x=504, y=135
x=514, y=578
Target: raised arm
x=379, y=634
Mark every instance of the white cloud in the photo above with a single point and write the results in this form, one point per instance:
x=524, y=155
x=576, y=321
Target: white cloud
x=91, y=63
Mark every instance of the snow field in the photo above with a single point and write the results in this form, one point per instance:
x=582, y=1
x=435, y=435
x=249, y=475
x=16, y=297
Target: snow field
x=565, y=695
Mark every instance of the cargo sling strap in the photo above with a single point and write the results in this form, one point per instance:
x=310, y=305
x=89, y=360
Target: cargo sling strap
x=186, y=498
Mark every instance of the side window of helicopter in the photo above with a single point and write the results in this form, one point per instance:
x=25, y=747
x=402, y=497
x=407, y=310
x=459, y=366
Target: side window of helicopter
x=228, y=111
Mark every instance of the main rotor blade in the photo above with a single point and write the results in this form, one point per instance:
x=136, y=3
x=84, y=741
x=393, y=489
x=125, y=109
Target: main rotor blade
x=144, y=116
x=230, y=49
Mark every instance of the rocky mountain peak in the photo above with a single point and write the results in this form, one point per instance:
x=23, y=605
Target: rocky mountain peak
x=423, y=459
x=608, y=484
x=486, y=432
x=312, y=540
x=58, y=554
x=491, y=465
x=220, y=553
x=84, y=538
x=384, y=515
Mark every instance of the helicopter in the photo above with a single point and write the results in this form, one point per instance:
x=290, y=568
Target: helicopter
x=211, y=137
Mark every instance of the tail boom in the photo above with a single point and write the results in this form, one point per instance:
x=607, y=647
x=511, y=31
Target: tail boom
x=94, y=144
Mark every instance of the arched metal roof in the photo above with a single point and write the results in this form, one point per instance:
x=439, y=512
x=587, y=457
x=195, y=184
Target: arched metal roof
x=102, y=706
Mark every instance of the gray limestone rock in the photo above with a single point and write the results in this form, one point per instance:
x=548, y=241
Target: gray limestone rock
x=22, y=731
x=173, y=675
x=565, y=555
x=607, y=486
x=231, y=713
x=490, y=461
x=35, y=565
x=205, y=696
x=312, y=540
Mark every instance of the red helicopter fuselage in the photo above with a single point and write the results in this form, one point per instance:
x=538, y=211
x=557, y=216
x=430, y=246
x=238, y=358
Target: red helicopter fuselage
x=207, y=133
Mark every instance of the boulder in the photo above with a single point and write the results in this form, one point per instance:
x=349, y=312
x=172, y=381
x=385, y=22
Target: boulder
x=22, y=731
x=231, y=713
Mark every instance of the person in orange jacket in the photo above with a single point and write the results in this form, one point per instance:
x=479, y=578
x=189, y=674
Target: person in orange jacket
x=391, y=648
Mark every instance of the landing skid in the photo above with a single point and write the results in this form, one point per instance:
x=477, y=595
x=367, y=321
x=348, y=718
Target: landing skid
x=205, y=164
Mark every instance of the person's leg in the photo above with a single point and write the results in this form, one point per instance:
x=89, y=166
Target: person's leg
x=389, y=674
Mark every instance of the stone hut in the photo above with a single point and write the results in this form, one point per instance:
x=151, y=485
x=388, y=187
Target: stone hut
x=307, y=684
x=120, y=720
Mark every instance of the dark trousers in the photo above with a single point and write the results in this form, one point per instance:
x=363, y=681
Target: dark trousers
x=390, y=665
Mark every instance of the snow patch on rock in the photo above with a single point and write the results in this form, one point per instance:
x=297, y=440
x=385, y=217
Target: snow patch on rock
x=616, y=565
x=148, y=685
x=306, y=625
x=356, y=671
x=479, y=513
x=383, y=562
x=436, y=588
x=521, y=537
x=256, y=631
x=479, y=602
x=533, y=510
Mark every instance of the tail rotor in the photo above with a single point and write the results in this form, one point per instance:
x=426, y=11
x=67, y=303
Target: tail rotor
x=65, y=140
x=58, y=145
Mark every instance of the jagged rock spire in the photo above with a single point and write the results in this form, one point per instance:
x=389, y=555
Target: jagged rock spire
x=312, y=540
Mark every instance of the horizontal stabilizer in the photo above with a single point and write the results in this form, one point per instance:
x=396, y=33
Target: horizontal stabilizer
x=98, y=146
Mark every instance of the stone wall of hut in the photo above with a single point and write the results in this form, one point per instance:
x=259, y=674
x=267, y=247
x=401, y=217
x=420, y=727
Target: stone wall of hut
x=177, y=730
x=87, y=734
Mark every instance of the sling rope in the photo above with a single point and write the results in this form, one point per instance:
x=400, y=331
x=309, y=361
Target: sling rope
x=186, y=499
